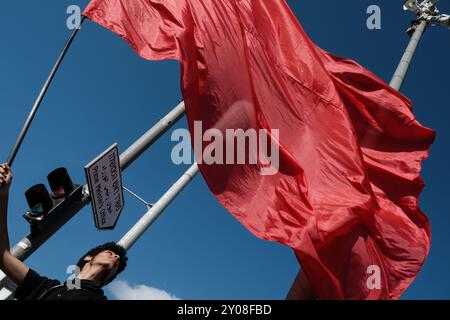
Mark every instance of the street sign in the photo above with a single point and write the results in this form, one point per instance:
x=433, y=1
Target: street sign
x=105, y=188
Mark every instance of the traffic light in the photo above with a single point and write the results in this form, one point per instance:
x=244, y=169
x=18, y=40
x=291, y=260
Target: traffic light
x=38, y=200
x=45, y=206
x=60, y=183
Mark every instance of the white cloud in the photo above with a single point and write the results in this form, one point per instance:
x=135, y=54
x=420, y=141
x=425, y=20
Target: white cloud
x=121, y=290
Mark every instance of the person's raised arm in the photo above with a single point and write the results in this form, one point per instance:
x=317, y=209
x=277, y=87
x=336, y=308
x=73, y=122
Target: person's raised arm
x=15, y=269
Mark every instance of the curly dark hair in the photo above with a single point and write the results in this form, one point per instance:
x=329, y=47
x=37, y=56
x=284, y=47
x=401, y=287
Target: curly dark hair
x=112, y=246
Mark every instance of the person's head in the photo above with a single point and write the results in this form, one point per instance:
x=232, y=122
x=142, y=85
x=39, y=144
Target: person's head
x=110, y=257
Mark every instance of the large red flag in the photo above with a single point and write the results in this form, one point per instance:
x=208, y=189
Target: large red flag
x=345, y=195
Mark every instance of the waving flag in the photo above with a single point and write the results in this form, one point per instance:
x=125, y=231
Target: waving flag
x=345, y=193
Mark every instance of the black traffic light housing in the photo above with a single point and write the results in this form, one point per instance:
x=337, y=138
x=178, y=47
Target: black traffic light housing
x=60, y=183
x=44, y=206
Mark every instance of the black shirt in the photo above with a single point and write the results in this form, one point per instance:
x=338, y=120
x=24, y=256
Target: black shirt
x=36, y=287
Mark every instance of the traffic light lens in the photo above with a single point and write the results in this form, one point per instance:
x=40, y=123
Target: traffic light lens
x=39, y=200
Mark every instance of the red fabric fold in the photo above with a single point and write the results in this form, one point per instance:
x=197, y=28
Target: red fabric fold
x=345, y=197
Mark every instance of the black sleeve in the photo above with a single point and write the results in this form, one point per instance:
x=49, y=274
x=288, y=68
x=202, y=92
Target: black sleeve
x=33, y=286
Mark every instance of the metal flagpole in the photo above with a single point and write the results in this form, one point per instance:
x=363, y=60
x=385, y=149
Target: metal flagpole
x=6, y=286
x=41, y=96
x=427, y=14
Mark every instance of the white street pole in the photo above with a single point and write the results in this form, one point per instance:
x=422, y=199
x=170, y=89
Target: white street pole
x=154, y=212
x=29, y=244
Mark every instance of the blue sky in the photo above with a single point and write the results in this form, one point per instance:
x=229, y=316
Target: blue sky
x=105, y=93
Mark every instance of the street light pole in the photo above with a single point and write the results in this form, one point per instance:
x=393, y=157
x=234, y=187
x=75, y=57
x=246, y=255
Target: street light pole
x=24, y=248
x=427, y=15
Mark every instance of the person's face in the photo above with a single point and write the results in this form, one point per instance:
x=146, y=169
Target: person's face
x=108, y=260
